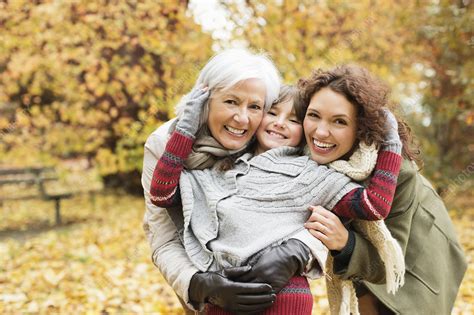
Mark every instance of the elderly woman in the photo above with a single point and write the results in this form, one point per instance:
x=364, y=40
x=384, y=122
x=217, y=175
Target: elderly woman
x=344, y=107
x=243, y=86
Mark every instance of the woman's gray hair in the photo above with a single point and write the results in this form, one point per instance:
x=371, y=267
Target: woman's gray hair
x=231, y=66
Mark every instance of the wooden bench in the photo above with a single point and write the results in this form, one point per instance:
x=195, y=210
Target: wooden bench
x=34, y=178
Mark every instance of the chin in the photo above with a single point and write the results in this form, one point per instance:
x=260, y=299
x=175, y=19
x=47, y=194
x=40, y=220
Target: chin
x=236, y=145
x=320, y=159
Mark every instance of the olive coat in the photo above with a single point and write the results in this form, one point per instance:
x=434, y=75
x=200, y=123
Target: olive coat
x=435, y=261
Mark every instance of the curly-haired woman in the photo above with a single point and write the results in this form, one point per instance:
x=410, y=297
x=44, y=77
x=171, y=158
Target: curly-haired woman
x=343, y=111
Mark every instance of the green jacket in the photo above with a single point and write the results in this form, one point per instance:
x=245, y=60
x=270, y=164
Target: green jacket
x=435, y=262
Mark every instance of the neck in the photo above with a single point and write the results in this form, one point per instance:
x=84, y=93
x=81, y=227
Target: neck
x=259, y=150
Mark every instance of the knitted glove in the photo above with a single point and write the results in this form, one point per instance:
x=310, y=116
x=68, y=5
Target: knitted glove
x=279, y=264
x=217, y=289
x=392, y=140
x=188, y=123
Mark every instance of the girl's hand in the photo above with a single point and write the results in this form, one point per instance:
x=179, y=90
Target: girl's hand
x=392, y=140
x=326, y=226
x=188, y=123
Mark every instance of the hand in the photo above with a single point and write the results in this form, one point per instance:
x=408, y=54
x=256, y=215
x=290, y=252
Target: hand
x=278, y=264
x=392, y=140
x=217, y=289
x=189, y=120
x=326, y=226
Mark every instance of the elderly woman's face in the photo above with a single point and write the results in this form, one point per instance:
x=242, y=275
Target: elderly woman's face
x=330, y=126
x=236, y=113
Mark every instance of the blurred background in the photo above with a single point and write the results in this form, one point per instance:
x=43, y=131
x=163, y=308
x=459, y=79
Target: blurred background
x=84, y=82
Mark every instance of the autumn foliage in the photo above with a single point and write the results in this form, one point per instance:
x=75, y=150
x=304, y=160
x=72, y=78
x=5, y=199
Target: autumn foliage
x=92, y=79
x=83, y=83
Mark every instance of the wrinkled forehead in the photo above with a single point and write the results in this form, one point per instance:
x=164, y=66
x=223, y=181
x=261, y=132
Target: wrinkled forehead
x=252, y=90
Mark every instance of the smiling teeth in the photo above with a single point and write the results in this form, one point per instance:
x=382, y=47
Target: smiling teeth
x=236, y=131
x=276, y=134
x=322, y=144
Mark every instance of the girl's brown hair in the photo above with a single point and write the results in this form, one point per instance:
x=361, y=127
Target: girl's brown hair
x=368, y=94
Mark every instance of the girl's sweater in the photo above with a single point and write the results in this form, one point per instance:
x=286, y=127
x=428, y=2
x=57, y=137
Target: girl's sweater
x=371, y=203
x=230, y=216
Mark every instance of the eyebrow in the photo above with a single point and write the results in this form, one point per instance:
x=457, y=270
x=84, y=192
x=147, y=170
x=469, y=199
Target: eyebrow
x=334, y=116
x=341, y=115
x=232, y=96
x=257, y=100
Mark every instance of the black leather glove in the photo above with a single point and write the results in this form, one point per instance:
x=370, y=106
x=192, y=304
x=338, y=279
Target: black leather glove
x=217, y=289
x=278, y=264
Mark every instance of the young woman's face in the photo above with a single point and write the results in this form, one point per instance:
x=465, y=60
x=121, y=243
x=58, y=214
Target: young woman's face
x=235, y=113
x=330, y=126
x=279, y=127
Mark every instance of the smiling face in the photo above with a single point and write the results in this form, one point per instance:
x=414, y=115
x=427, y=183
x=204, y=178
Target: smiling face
x=279, y=127
x=236, y=112
x=330, y=126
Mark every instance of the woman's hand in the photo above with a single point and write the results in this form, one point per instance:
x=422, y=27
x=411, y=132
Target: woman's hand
x=326, y=226
x=278, y=264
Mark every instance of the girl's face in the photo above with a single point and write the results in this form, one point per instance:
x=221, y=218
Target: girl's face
x=235, y=113
x=330, y=126
x=279, y=127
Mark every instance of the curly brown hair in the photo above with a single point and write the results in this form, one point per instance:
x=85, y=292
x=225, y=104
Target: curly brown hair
x=368, y=94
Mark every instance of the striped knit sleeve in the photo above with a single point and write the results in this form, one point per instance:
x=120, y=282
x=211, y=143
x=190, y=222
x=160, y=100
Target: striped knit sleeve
x=375, y=201
x=164, y=184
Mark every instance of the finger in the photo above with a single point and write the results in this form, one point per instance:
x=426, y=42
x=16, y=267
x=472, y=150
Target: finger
x=235, y=272
x=315, y=217
x=320, y=236
x=318, y=226
x=321, y=211
x=255, y=299
x=203, y=94
x=247, y=277
x=251, y=288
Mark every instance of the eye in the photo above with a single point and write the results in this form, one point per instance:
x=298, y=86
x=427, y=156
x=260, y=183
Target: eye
x=295, y=121
x=312, y=114
x=231, y=102
x=271, y=113
x=341, y=122
x=255, y=107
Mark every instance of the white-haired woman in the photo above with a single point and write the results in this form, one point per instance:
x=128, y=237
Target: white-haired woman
x=243, y=85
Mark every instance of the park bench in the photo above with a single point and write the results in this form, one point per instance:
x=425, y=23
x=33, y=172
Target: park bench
x=32, y=182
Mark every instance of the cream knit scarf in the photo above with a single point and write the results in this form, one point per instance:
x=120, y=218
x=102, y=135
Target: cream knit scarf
x=341, y=293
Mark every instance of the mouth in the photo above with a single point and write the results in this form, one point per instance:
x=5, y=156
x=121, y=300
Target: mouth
x=276, y=134
x=323, y=147
x=235, y=132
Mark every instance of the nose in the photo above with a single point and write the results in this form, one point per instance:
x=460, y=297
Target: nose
x=280, y=122
x=242, y=116
x=322, y=130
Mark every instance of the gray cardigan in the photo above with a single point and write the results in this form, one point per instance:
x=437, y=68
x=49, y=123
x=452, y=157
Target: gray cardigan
x=230, y=216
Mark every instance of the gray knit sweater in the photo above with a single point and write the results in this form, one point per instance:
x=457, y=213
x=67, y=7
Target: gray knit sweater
x=230, y=216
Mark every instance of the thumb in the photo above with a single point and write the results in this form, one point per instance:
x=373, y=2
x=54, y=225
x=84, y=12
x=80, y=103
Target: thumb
x=235, y=272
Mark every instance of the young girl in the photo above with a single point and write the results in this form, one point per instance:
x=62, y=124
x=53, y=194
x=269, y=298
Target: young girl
x=224, y=211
